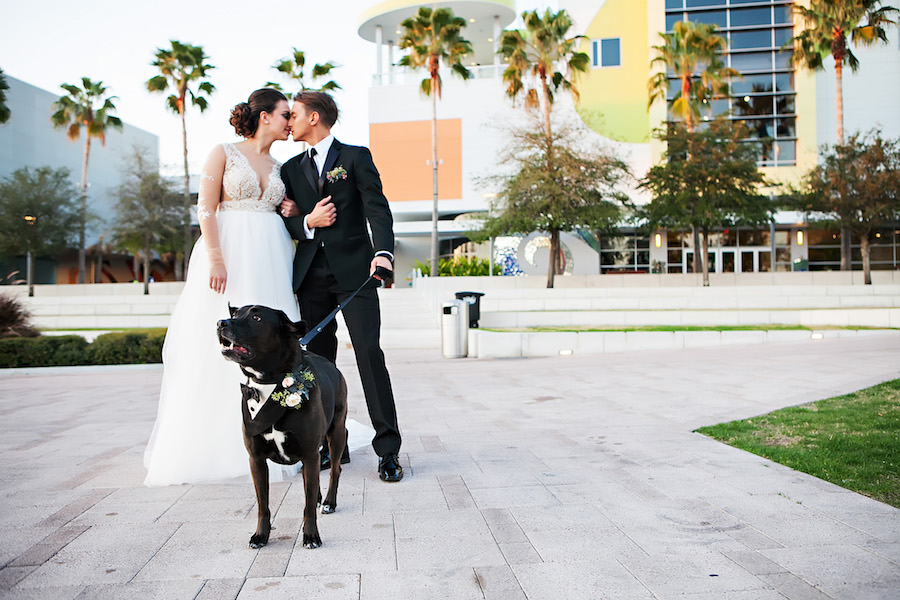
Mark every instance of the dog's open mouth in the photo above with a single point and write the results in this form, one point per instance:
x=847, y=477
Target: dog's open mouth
x=231, y=349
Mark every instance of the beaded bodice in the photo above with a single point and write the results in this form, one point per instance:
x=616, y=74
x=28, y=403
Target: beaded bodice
x=242, y=184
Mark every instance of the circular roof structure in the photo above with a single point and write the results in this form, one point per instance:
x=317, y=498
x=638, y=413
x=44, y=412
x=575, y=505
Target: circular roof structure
x=479, y=16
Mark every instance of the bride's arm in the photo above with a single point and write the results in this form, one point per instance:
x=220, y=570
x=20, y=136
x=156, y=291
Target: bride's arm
x=207, y=203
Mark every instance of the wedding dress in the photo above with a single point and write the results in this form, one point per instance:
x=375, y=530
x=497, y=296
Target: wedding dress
x=197, y=436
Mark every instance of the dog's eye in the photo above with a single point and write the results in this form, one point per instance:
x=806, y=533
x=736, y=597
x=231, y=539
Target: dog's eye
x=256, y=317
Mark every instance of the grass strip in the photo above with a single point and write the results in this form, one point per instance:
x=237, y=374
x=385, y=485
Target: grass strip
x=852, y=441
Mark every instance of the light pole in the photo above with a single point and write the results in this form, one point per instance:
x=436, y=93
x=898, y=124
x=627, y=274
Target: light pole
x=29, y=279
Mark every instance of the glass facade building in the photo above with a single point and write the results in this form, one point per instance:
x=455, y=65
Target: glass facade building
x=764, y=99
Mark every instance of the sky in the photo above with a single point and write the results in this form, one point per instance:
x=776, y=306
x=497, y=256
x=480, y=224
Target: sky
x=113, y=41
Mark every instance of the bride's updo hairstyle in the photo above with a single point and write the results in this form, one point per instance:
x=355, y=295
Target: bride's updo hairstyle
x=245, y=116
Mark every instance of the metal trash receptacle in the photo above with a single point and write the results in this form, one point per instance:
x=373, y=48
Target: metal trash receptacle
x=474, y=301
x=455, y=329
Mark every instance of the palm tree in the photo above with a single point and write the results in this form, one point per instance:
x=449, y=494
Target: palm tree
x=181, y=67
x=828, y=24
x=89, y=107
x=693, y=54
x=433, y=37
x=543, y=52
x=4, y=109
x=293, y=68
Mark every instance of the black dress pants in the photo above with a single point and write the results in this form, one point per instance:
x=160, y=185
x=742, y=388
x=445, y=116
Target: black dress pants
x=318, y=295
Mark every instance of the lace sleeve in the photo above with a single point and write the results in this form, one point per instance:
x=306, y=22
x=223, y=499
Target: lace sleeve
x=208, y=202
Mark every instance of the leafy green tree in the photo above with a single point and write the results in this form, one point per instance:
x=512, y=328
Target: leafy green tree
x=541, y=61
x=543, y=52
x=89, y=107
x=708, y=179
x=578, y=188
x=293, y=68
x=692, y=53
x=39, y=213
x=4, y=109
x=828, y=26
x=433, y=37
x=857, y=186
x=183, y=70
x=148, y=212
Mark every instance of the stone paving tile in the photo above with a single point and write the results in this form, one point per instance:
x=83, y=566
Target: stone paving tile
x=841, y=571
x=325, y=587
x=112, y=554
x=363, y=543
x=580, y=581
x=706, y=572
x=459, y=583
x=169, y=590
x=68, y=592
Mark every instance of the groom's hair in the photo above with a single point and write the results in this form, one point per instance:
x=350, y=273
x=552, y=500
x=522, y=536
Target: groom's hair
x=321, y=103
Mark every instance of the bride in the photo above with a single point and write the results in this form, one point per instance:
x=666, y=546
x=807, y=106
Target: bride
x=244, y=256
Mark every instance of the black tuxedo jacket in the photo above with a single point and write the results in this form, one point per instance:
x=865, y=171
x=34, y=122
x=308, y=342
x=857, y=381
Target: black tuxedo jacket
x=359, y=201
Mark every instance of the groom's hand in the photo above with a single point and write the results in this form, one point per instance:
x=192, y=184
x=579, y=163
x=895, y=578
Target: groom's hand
x=380, y=261
x=323, y=215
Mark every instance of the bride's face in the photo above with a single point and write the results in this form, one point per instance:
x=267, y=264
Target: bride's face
x=278, y=121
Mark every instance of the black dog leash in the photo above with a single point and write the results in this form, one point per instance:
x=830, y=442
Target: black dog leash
x=385, y=274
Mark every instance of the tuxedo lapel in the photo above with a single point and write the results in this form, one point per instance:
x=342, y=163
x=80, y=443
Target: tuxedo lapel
x=332, y=157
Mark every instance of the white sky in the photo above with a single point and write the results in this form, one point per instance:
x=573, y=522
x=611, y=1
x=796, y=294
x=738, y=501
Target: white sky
x=54, y=42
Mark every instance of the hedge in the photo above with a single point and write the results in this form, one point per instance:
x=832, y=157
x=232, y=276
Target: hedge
x=119, y=348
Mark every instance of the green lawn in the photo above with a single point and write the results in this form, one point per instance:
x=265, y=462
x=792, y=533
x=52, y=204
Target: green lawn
x=852, y=441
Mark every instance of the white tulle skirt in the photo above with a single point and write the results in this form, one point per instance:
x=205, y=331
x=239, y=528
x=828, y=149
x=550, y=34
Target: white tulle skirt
x=197, y=435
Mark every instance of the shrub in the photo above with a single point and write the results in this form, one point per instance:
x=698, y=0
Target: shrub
x=460, y=266
x=120, y=348
x=44, y=351
x=128, y=347
x=15, y=320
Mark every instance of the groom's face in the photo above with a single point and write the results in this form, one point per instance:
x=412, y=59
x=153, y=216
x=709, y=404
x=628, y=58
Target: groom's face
x=301, y=122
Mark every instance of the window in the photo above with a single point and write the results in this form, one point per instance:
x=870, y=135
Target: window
x=606, y=53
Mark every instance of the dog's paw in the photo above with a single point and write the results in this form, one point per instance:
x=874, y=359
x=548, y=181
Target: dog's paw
x=258, y=540
x=327, y=509
x=311, y=541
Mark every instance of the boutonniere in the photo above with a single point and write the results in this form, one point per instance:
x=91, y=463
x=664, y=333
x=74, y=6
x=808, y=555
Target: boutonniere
x=296, y=388
x=336, y=174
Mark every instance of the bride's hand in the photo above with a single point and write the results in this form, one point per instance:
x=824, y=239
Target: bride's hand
x=217, y=278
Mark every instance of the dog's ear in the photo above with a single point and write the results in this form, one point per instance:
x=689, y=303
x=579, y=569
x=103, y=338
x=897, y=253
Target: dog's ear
x=295, y=329
x=232, y=310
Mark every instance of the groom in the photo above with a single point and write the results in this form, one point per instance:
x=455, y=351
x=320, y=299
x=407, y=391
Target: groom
x=333, y=191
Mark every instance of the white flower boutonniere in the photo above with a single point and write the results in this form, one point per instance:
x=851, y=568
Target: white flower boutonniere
x=336, y=174
x=295, y=388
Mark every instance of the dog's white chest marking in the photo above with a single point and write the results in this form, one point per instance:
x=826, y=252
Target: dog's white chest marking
x=265, y=390
x=278, y=438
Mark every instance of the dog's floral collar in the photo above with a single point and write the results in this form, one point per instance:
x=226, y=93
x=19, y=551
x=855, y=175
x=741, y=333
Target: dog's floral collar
x=294, y=388
x=336, y=174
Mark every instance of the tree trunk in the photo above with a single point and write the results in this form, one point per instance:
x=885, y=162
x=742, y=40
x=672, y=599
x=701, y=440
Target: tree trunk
x=867, y=265
x=146, y=267
x=82, y=233
x=705, y=256
x=698, y=258
x=98, y=270
x=554, y=257
x=188, y=238
x=435, y=244
x=846, y=264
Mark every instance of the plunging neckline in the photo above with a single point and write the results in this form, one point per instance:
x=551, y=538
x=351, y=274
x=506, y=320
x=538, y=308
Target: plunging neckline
x=262, y=192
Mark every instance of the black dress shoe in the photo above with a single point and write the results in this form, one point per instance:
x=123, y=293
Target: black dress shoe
x=389, y=468
x=325, y=456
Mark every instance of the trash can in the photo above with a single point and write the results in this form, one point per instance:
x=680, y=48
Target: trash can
x=800, y=264
x=455, y=329
x=473, y=299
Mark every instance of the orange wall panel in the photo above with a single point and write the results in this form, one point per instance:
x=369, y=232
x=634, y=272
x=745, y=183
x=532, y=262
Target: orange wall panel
x=402, y=153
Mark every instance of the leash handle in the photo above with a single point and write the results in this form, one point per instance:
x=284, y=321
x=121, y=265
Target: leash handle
x=306, y=339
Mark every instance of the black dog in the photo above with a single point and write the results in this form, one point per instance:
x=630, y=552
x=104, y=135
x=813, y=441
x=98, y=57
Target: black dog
x=286, y=424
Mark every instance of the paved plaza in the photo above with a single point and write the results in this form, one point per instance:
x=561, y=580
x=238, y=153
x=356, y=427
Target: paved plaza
x=571, y=477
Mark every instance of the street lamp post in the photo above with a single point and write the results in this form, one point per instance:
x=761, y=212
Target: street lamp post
x=29, y=269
